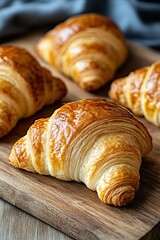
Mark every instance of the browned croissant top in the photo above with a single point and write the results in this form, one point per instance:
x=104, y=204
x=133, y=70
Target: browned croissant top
x=25, y=86
x=33, y=74
x=140, y=92
x=88, y=48
x=73, y=117
x=62, y=32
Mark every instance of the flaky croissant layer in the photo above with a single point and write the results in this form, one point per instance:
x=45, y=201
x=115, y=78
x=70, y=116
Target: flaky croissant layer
x=140, y=92
x=89, y=48
x=25, y=86
x=93, y=141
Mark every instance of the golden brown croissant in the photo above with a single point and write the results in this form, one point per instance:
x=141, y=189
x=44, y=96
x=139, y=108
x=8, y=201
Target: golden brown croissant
x=25, y=87
x=140, y=92
x=88, y=48
x=93, y=141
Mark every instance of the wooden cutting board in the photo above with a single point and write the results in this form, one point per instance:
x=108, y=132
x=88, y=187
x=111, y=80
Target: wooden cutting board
x=70, y=206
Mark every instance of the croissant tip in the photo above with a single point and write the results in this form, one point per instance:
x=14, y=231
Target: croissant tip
x=3, y=131
x=17, y=157
x=13, y=159
x=122, y=196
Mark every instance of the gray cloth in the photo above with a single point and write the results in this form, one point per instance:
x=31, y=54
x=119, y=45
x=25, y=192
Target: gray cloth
x=139, y=20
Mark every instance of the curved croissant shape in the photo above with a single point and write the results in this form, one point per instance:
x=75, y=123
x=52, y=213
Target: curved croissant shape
x=140, y=92
x=88, y=48
x=96, y=142
x=25, y=87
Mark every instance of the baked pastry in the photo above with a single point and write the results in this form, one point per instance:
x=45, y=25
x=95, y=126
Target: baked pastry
x=93, y=141
x=25, y=87
x=140, y=92
x=87, y=48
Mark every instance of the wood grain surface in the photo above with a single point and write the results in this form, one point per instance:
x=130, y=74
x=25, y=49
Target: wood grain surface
x=70, y=206
x=18, y=225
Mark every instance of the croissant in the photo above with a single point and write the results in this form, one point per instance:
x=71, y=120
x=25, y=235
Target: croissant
x=25, y=87
x=140, y=92
x=87, y=48
x=93, y=141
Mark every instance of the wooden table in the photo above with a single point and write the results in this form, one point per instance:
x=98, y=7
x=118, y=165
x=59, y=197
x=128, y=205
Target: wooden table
x=16, y=224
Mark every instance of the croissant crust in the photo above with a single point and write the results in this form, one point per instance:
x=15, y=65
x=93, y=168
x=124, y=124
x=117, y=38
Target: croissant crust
x=96, y=142
x=88, y=48
x=140, y=92
x=25, y=86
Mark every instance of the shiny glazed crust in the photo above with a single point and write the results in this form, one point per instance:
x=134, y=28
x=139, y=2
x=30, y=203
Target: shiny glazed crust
x=140, y=92
x=93, y=141
x=88, y=48
x=25, y=87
